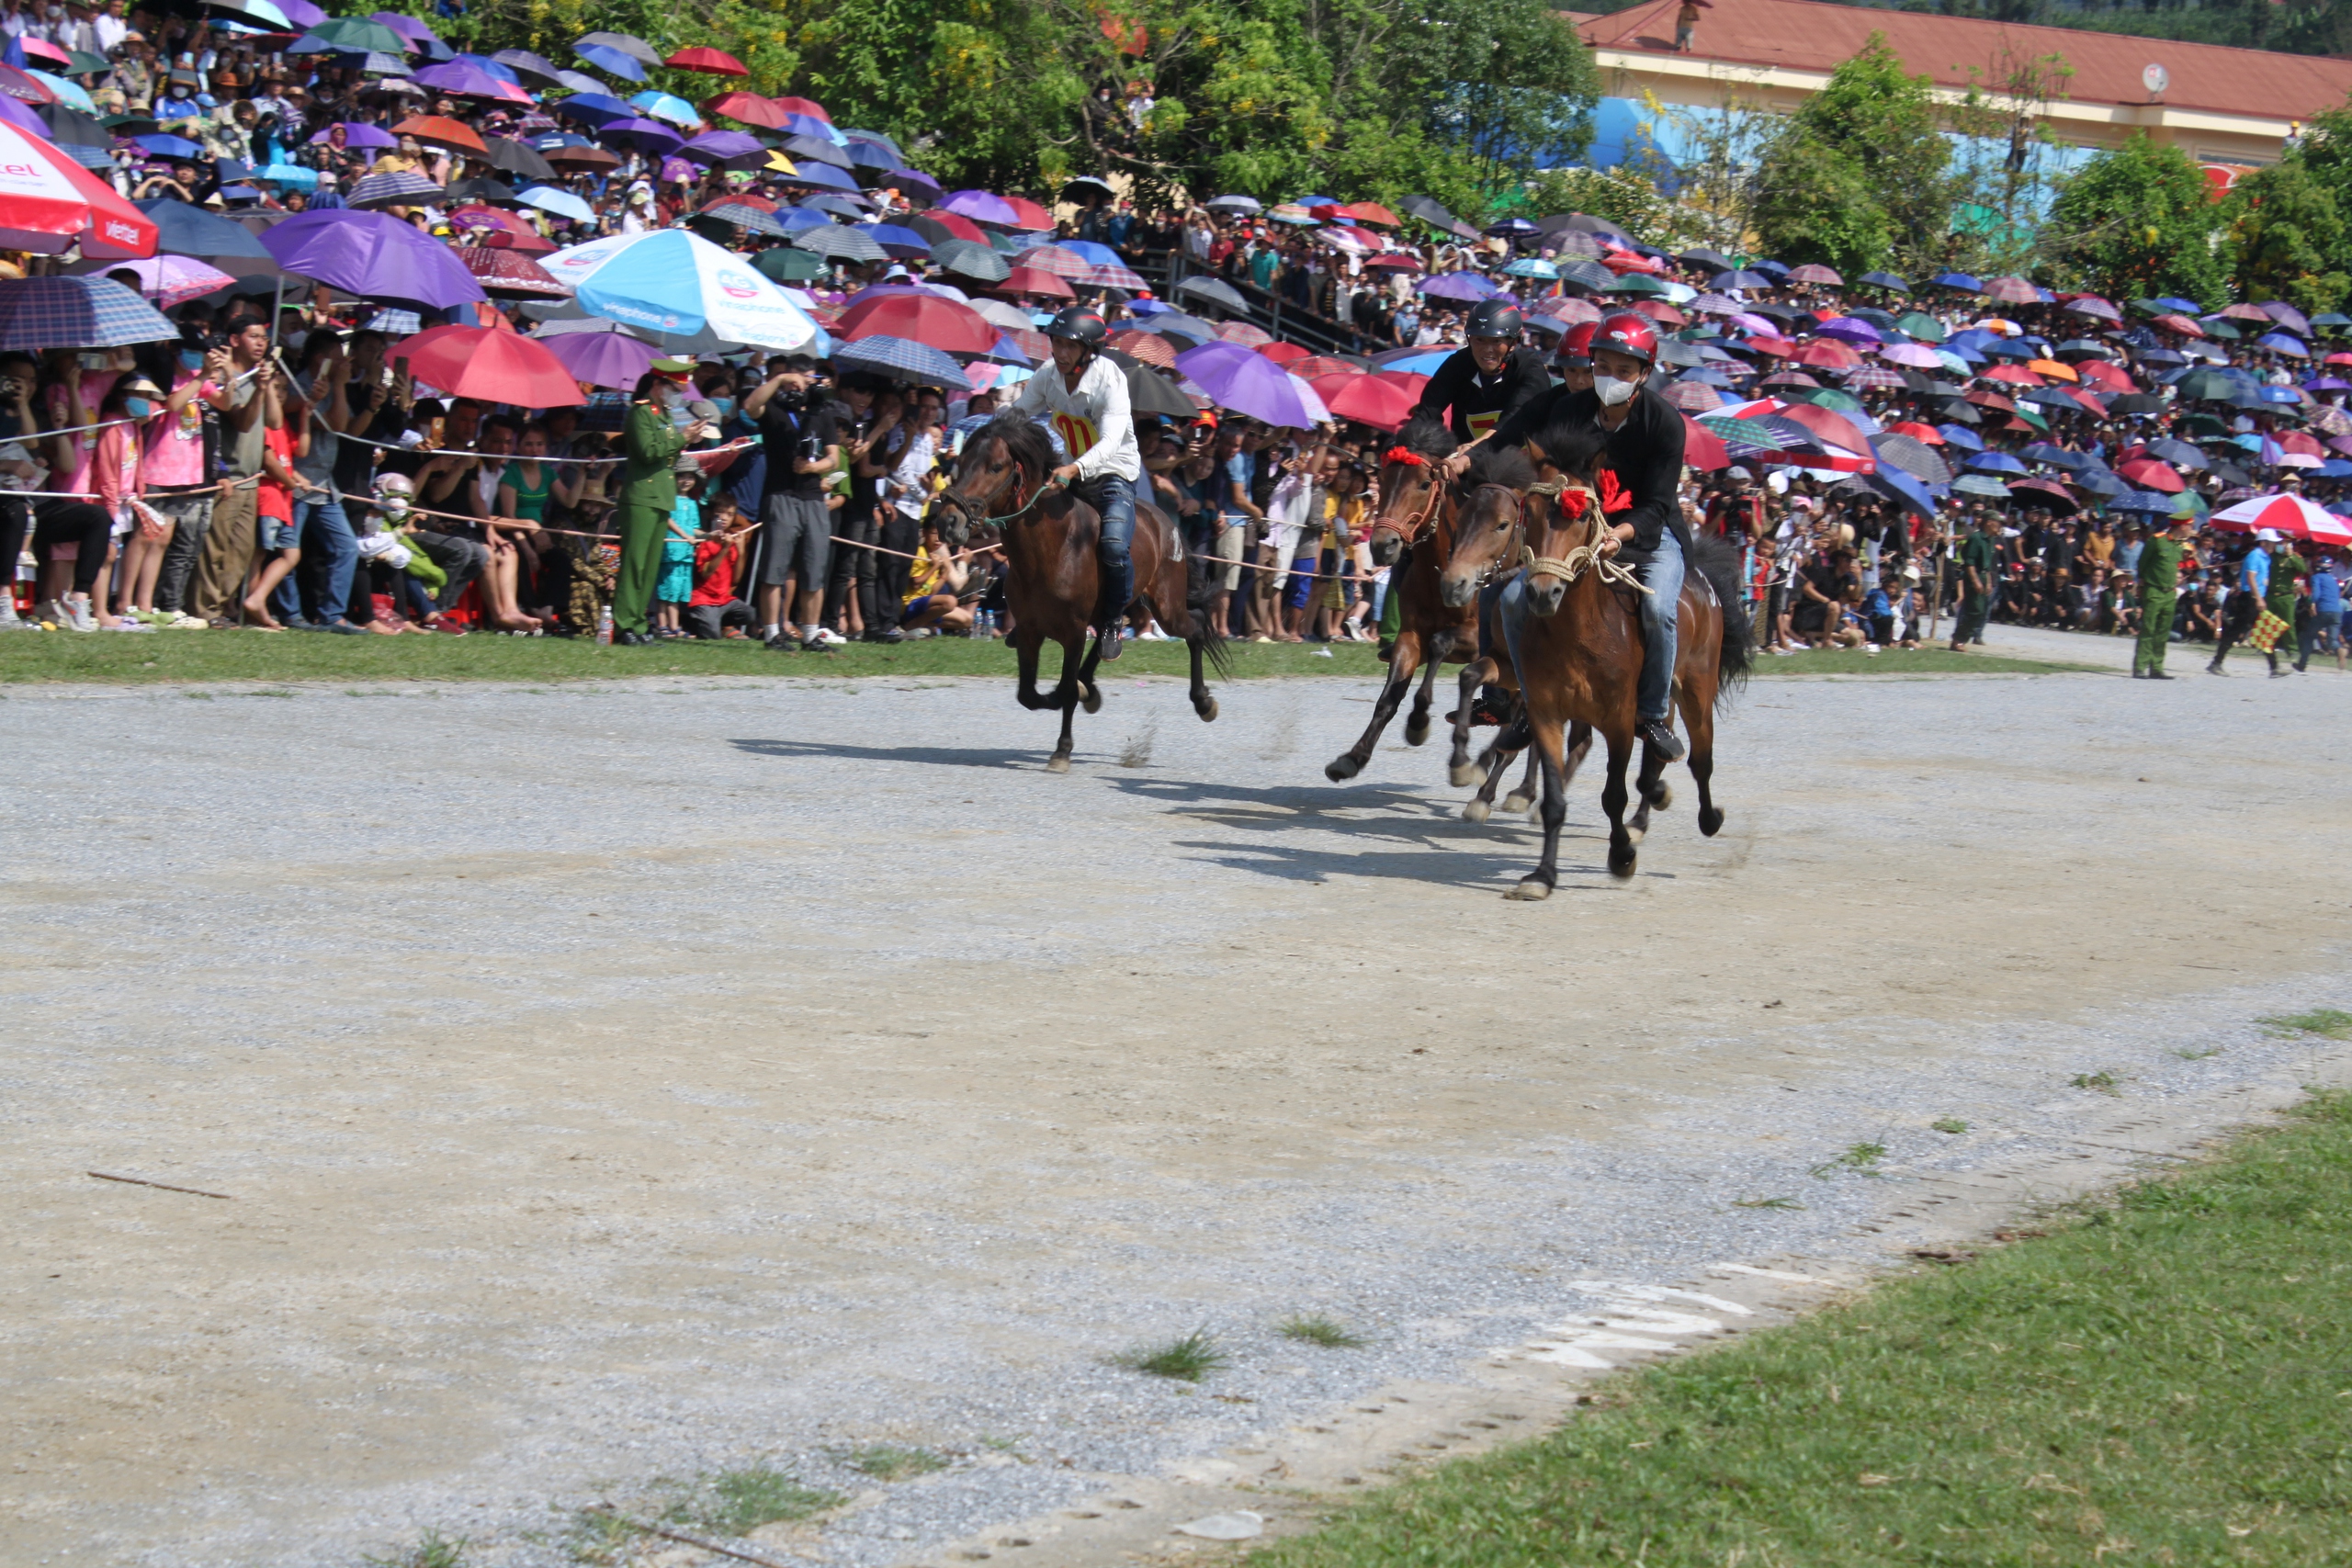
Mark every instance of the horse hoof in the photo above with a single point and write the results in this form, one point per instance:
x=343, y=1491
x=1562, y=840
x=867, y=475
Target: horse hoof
x=1207, y=708
x=1057, y=763
x=1091, y=699
x=1461, y=775
x=1475, y=811
x=1711, y=821
x=1534, y=890
x=1339, y=769
x=1416, y=730
x=1621, y=866
x=1515, y=801
x=1635, y=835
x=1662, y=796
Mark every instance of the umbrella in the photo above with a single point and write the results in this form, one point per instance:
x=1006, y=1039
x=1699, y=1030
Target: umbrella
x=38, y=313
x=2289, y=514
x=919, y=318
x=724, y=147
x=491, y=363
x=712, y=61
x=592, y=110
x=1367, y=400
x=921, y=185
x=399, y=188
x=1064, y=263
x=839, y=242
x=530, y=64
x=47, y=203
x=1249, y=383
x=443, y=131
x=936, y=226
x=1463, y=286
x=465, y=81
x=510, y=273
x=645, y=135
x=679, y=283
x=1912, y=455
x=2153, y=474
x=1995, y=463
x=608, y=358
x=2047, y=493
x=1815, y=273
x=1214, y=290
x=749, y=108
x=518, y=159
x=901, y=243
x=2141, y=500
x=373, y=255
x=1886, y=280
x=350, y=35
x=2011, y=291
x=563, y=203
x=1148, y=392
x=979, y=262
x=750, y=220
x=183, y=229
x=167, y=280
x=902, y=360
x=1149, y=347
x=668, y=106
x=785, y=265
x=1250, y=203
x=359, y=135
x=168, y=146
x=981, y=207
x=812, y=173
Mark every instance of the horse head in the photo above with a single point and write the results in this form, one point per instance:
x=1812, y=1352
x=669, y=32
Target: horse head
x=1411, y=488
x=1561, y=514
x=1487, y=531
x=997, y=478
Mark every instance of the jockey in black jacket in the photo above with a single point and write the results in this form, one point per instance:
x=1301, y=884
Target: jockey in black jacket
x=1478, y=385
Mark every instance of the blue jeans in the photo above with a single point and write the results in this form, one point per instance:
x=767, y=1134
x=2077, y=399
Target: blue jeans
x=326, y=538
x=1115, y=497
x=1661, y=608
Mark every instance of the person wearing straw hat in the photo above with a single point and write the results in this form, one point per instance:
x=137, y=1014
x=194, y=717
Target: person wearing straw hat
x=2159, y=571
x=652, y=441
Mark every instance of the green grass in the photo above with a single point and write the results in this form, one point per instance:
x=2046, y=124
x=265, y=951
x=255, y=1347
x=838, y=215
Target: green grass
x=1314, y=1328
x=306, y=656
x=2101, y=1081
x=737, y=1502
x=1951, y=1125
x=1919, y=661
x=2328, y=1021
x=1766, y=1204
x=1862, y=1157
x=434, y=1549
x=1188, y=1360
x=885, y=1462
x=2166, y=1378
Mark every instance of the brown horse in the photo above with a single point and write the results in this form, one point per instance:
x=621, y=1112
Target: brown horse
x=1417, y=508
x=1052, y=581
x=1575, y=638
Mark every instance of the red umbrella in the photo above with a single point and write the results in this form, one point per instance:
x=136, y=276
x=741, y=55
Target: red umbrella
x=24, y=88
x=45, y=50
x=1244, y=334
x=1661, y=313
x=444, y=132
x=957, y=224
x=48, y=202
x=2015, y=374
x=1926, y=433
x=1815, y=273
x=1410, y=382
x=2288, y=514
x=1394, y=261
x=510, y=271
x=494, y=364
x=2150, y=474
x=1367, y=400
x=1036, y=344
x=2114, y=377
x=2045, y=492
x=1308, y=369
x=2181, y=325
x=1031, y=280
x=1830, y=425
x=2244, y=313
x=1778, y=347
x=2012, y=291
x=1283, y=354
x=1068, y=265
x=1369, y=213
x=1826, y=353
x=1992, y=401
x=1703, y=449
x=1149, y=348
x=707, y=60
x=2296, y=441
x=1027, y=214
x=506, y=231
x=809, y=106
x=749, y=108
x=921, y=317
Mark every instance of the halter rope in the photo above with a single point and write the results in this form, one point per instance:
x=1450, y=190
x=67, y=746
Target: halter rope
x=1411, y=527
x=1573, y=565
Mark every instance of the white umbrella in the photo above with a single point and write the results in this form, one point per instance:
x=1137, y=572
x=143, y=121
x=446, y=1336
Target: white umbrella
x=681, y=288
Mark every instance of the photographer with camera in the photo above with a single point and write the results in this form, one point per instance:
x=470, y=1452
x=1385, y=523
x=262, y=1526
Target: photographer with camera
x=796, y=421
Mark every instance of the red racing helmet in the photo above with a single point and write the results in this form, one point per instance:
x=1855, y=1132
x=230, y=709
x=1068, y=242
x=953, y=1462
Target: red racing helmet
x=1627, y=333
x=1576, y=345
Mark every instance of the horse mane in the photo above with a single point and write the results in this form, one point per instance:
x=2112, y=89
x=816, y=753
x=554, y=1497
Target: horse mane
x=1427, y=435
x=1491, y=463
x=1024, y=439
x=1573, y=446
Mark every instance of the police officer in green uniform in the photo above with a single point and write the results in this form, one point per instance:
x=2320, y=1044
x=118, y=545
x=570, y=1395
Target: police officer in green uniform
x=2159, y=589
x=1980, y=565
x=652, y=441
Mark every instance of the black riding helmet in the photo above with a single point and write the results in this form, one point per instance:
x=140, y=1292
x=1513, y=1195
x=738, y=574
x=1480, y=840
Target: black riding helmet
x=1497, y=318
x=1080, y=324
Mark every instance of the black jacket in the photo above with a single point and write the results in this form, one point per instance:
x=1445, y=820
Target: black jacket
x=1472, y=403
x=1645, y=454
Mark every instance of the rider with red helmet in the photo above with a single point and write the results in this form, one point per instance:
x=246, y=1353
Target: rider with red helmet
x=1642, y=465
x=1479, y=385
x=1573, y=358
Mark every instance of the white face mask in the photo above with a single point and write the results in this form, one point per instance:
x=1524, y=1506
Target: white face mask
x=1612, y=390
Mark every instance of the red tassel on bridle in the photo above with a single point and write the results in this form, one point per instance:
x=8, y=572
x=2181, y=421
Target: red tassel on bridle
x=1404, y=455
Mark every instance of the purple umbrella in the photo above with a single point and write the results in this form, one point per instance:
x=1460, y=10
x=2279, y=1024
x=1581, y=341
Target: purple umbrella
x=645, y=135
x=1249, y=383
x=355, y=134
x=408, y=27
x=24, y=119
x=301, y=12
x=1458, y=286
x=2287, y=316
x=1846, y=329
x=910, y=180
x=1919, y=356
x=718, y=146
x=373, y=255
x=465, y=80
x=602, y=358
x=981, y=208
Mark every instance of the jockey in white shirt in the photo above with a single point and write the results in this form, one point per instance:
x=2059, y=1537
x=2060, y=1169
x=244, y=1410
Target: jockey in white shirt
x=1084, y=397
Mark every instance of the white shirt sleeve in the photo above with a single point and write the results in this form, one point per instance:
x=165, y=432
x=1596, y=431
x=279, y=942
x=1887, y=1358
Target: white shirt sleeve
x=1114, y=428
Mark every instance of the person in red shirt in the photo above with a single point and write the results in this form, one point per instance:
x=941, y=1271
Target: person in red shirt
x=714, y=610
x=276, y=543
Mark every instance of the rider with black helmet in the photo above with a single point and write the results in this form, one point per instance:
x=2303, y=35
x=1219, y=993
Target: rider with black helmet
x=1479, y=385
x=1084, y=397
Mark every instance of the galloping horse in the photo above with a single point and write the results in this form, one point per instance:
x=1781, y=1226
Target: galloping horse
x=1576, y=644
x=1052, y=581
x=1417, y=508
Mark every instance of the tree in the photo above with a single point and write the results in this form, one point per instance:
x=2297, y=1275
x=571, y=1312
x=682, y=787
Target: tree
x=1861, y=176
x=2139, y=221
x=1623, y=196
x=1714, y=186
x=2286, y=232
x=2002, y=184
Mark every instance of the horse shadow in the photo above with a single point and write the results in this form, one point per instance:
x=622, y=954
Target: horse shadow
x=929, y=756
x=1498, y=869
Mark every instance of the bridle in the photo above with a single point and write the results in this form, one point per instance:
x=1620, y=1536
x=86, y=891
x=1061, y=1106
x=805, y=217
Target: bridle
x=964, y=503
x=1580, y=558
x=1411, y=528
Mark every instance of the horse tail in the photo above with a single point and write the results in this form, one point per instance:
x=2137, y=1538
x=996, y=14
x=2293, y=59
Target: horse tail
x=1719, y=562
x=1203, y=576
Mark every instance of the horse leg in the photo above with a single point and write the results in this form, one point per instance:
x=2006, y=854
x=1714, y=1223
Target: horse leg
x=1072, y=683
x=1461, y=772
x=1538, y=884
x=1030, y=697
x=1204, y=703
x=1087, y=691
x=1416, y=723
x=1699, y=723
x=1403, y=659
x=1496, y=758
x=1612, y=801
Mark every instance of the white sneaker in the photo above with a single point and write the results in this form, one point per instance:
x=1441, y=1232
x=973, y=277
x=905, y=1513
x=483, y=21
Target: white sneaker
x=9, y=620
x=831, y=637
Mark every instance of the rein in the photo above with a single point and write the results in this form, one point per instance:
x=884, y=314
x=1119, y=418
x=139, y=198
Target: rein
x=1034, y=497
x=1584, y=556
x=1411, y=528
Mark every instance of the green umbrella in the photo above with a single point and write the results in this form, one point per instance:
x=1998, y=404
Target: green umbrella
x=1922, y=326
x=2219, y=328
x=357, y=35
x=1636, y=283
x=1832, y=398
x=785, y=263
x=2202, y=384
x=2200, y=425
x=81, y=62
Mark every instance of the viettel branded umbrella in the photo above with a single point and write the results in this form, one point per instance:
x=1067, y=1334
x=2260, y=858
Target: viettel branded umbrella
x=47, y=203
x=493, y=364
x=679, y=283
x=373, y=255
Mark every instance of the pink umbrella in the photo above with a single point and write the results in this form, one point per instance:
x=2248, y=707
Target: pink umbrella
x=168, y=281
x=1918, y=356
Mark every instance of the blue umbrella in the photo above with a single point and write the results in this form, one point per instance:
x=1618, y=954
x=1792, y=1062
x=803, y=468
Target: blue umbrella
x=2179, y=453
x=2099, y=482
x=909, y=361
x=923, y=184
x=1981, y=484
x=186, y=230
x=2141, y=500
x=2056, y=456
x=669, y=107
x=2175, y=302
x=2280, y=343
x=1421, y=363
x=1898, y=486
x=838, y=206
x=903, y=243
x=866, y=154
x=1739, y=280
x=563, y=203
x=592, y=109
x=812, y=173
x=521, y=59
x=1959, y=280
x=292, y=174
x=1995, y=463
x=645, y=135
x=38, y=313
x=168, y=146
x=610, y=61
x=1960, y=435
x=796, y=219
